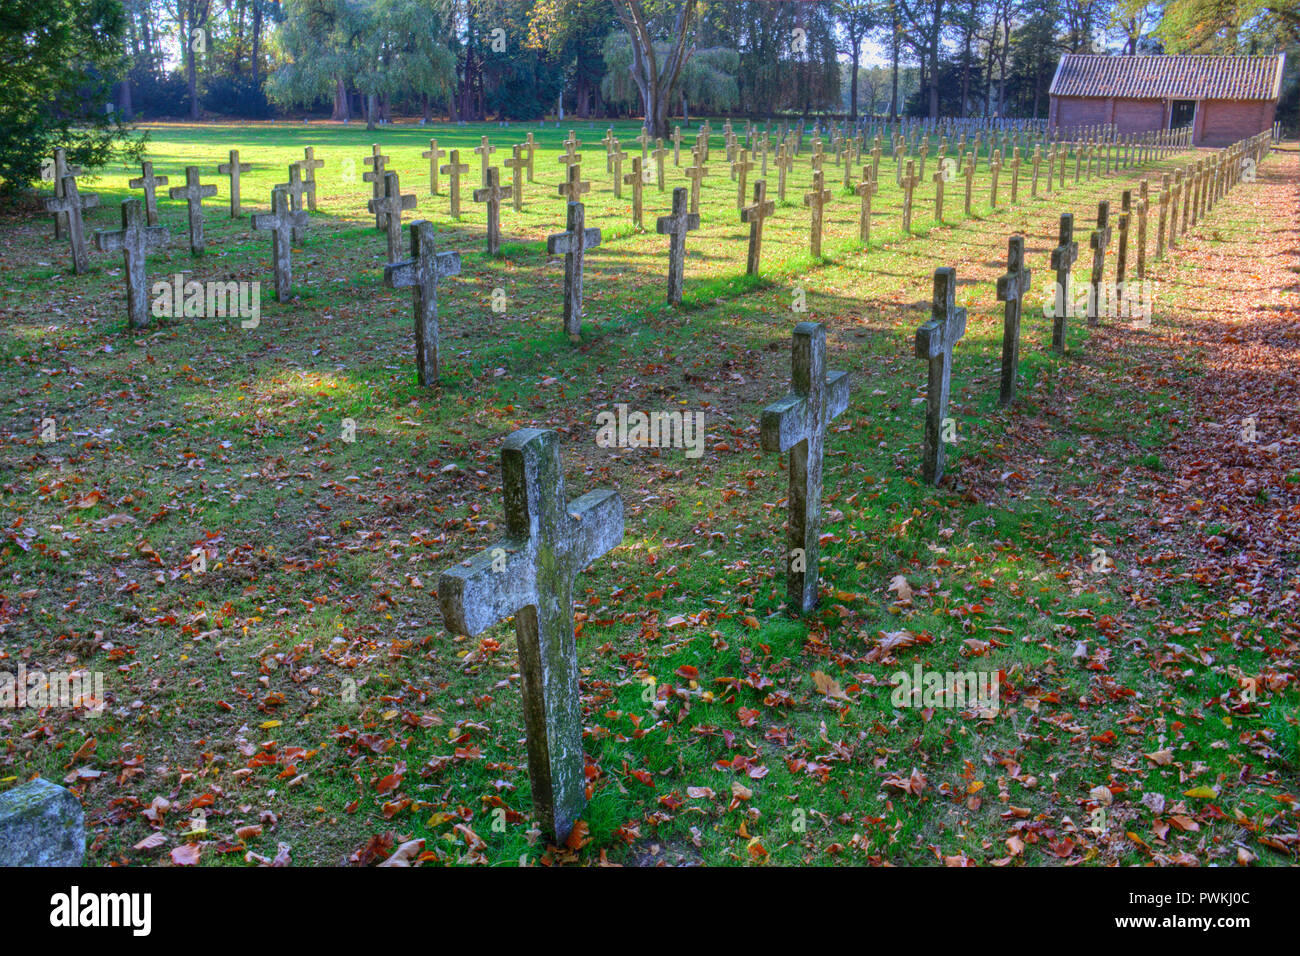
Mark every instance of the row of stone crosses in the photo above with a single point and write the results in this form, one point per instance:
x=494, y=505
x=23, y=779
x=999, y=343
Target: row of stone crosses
x=529, y=575
x=290, y=201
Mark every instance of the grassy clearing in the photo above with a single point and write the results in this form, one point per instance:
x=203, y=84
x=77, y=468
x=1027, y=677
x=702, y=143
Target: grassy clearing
x=305, y=672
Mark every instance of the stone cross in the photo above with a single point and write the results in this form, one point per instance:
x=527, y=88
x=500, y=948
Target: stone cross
x=1100, y=241
x=634, y=180
x=909, y=184
x=72, y=204
x=233, y=169
x=194, y=193
x=935, y=341
x=530, y=574
x=995, y=169
x=782, y=167
x=939, y=177
x=644, y=139
x=134, y=240
x=484, y=151
x=1015, y=173
x=573, y=187
x=1063, y=259
x=297, y=192
x=456, y=169
x=1163, y=202
x=1012, y=288
x=609, y=141
x=574, y=242
x=61, y=172
x=280, y=223
x=149, y=183
x=739, y=172
x=433, y=154
x=695, y=173
x=492, y=194
x=970, y=180
x=754, y=215
x=1121, y=253
x=660, y=153
x=1142, y=207
x=615, y=158
x=677, y=145
x=375, y=176
x=676, y=226
x=391, y=206
x=532, y=148
x=817, y=200
x=569, y=157
x=310, y=164
x=420, y=274
x=1038, y=158
x=796, y=425
x=865, y=190
x=516, y=164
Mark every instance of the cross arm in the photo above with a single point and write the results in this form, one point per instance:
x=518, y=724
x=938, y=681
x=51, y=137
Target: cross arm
x=597, y=526
x=782, y=424
x=838, y=389
x=563, y=241
x=487, y=588
x=400, y=275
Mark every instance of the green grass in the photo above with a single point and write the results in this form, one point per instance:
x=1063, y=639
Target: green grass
x=315, y=627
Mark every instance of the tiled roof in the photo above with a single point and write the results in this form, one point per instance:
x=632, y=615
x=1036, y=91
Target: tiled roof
x=1176, y=77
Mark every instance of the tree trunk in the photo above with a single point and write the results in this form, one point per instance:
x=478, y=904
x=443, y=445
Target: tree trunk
x=191, y=64
x=853, y=80
x=257, y=40
x=341, y=111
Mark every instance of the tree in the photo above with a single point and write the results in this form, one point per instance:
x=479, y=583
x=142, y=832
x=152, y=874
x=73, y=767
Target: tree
x=857, y=17
x=655, y=76
x=59, y=63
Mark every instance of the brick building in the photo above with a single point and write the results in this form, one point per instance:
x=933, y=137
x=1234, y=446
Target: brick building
x=1223, y=98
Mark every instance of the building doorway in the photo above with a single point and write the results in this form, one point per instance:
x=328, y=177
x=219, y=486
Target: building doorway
x=1181, y=113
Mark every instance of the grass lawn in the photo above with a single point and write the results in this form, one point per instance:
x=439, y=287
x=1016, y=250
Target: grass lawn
x=304, y=682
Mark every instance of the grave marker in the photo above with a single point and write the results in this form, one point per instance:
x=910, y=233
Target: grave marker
x=456, y=169
x=280, y=223
x=420, y=274
x=149, y=183
x=1063, y=259
x=433, y=154
x=1012, y=288
x=233, y=169
x=309, y=164
x=391, y=206
x=134, y=240
x=754, y=215
x=796, y=425
x=72, y=204
x=530, y=574
x=574, y=242
x=676, y=226
x=1099, y=241
x=194, y=193
x=816, y=201
x=492, y=194
x=935, y=341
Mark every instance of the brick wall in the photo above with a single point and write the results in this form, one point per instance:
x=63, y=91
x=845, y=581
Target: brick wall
x=1226, y=121
x=1139, y=116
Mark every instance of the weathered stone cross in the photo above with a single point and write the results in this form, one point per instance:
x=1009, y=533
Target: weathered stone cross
x=194, y=193
x=739, y=172
x=391, y=207
x=72, y=203
x=280, y=223
x=816, y=200
x=1063, y=258
x=375, y=176
x=1100, y=241
x=935, y=341
x=484, y=151
x=492, y=194
x=676, y=226
x=233, y=169
x=660, y=153
x=573, y=187
x=516, y=164
x=455, y=169
x=796, y=425
x=695, y=173
x=754, y=215
x=149, y=183
x=310, y=164
x=865, y=190
x=433, y=154
x=420, y=274
x=909, y=184
x=297, y=191
x=574, y=242
x=634, y=180
x=134, y=239
x=530, y=575
x=61, y=172
x=1012, y=288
